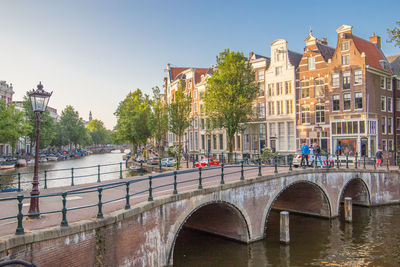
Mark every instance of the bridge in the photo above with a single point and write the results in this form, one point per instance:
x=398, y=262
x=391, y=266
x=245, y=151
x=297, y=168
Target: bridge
x=136, y=222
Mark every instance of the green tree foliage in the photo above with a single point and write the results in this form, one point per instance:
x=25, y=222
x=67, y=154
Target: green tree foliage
x=230, y=91
x=99, y=134
x=12, y=125
x=133, y=114
x=158, y=119
x=178, y=114
x=72, y=128
x=394, y=34
x=47, y=125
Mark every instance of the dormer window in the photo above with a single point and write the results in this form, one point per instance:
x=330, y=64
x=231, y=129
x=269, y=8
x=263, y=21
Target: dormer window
x=345, y=60
x=311, y=63
x=344, y=46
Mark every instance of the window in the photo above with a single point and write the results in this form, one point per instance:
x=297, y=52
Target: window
x=279, y=55
x=383, y=125
x=358, y=76
x=311, y=63
x=288, y=87
x=281, y=135
x=320, y=113
x=289, y=106
x=305, y=90
x=195, y=94
x=291, y=135
x=355, y=127
x=346, y=80
x=278, y=70
x=281, y=107
x=362, y=127
x=390, y=125
x=271, y=108
x=389, y=104
x=346, y=101
x=390, y=145
x=202, y=124
x=305, y=114
x=384, y=147
x=221, y=141
x=261, y=110
x=190, y=84
x=358, y=100
x=261, y=90
x=336, y=103
x=398, y=123
x=345, y=59
x=382, y=82
x=344, y=46
x=333, y=127
x=271, y=89
x=398, y=104
x=195, y=122
x=196, y=140
x=389, y=84
x=260, y=75
x=383, y=103
x=214, y=141
x=279, y=89
x=319, y=87
x=335, y=80
x=203, y=146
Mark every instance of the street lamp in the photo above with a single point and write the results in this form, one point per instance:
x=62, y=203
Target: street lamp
x=39, y=100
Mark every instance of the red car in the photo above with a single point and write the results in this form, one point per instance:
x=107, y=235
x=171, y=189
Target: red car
x=206, y=161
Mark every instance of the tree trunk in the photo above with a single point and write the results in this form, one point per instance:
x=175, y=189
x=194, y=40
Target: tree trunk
x=179, y=150
x=230, y=147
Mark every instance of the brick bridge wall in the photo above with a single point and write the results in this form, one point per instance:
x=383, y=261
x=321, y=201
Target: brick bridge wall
x=146, y=234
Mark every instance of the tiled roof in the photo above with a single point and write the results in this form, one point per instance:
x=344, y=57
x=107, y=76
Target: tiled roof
x=175, y=71
x=199, y=72
x=326, y=51
x=294, y=58
x=395, y=62
x=373, y=55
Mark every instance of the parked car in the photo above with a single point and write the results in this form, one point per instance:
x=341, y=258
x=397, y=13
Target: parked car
x=207, y=162
x=168, y=162
x=153, y=161
x=311, y=159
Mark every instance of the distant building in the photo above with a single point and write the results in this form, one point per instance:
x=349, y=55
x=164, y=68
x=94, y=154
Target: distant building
x=6, y=94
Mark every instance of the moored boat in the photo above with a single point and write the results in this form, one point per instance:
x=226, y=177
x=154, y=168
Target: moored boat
x=21, y=163
x=7, y=165
x=52, y=158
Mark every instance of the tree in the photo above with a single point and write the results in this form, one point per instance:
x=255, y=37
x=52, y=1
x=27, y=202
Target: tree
x=133, y=115
x=159, y=118
x=394, y=34
x=12, y=125
x=230, y=92
x=99, y=134
x=178, y=114
x=73, y=128
x=47, y=125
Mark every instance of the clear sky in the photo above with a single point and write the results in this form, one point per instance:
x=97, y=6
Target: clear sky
x=91, y=54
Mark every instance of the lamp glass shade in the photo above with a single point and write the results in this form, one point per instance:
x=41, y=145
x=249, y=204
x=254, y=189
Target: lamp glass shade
x=39, y=99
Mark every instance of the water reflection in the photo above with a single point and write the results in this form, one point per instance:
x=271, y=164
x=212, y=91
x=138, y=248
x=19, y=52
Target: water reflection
x=372, y=239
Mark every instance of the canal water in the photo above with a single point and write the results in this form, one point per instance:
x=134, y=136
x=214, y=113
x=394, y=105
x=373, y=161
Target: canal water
x=59, y=173
x=373, y=239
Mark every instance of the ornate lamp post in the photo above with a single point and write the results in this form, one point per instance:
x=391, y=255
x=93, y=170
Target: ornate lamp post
x=39, y=100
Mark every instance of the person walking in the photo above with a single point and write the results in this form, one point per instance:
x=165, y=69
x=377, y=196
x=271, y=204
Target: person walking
x=305, y=151
x=379, y=158
x=317, y=155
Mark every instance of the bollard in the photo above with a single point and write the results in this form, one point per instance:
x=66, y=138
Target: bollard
x=127, y=196
x=150, y=189
x=45, y=179
x=284, y=227
x=387, y=164
x=159, y=162
x=259, y=167
x=98, y=174
x=348, y=210
x=20, y=216
x=100, y=204
x=374, y=163
x=120, y=170
x=347, y=161
x=175, y=185
x=290, y=163
x=222, y=155
x=64, y=221
x=19, y=182
x=275, y=165
x=194, y=164
x=356, y=163
x=200, y=185
x=235, y=158
x=364, y=162
x=222, y=174
x=337, y=160
x=241, y=171
x=72, y=177
x=141, y=168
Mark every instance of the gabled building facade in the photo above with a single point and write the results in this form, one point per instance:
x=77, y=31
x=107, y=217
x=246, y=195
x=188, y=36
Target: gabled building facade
x=312, y=101
x=395, y=64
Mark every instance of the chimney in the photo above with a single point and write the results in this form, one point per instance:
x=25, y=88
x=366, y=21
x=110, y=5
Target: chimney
x=251, y=54
x=324, y=41
x=376, y=39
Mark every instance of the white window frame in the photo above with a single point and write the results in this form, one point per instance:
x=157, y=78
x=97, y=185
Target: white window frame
x=311, y=63
x=389, y=84
x=389, y=104
x=346, y=75
x=383, y=83
x=390, y=144
x=346, y=96
x=335, y=80
x=345, y=59
x=261, y=77
x=389, y=131
x=398, y=123
x=345, y=46
x=335, y=97
x=358, y=95
x=383, y=125
x=358, y=77
x=384, y=103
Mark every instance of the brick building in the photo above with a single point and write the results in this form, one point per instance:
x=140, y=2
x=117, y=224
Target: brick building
x=311, y=99
x=395, y=64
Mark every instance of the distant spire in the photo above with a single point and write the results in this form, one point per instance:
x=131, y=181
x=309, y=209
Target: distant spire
x=310, y=29
x=90, y=116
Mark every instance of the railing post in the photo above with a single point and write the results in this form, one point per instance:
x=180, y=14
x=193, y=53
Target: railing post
x=64, y=221
x=337, y=161
x=347, y=161
x=398, y=161
x=19, y=182
x=208, y=159
x=100, y=204
x=223, y=159
x=387, y=163
x=374, y=163
x=259, y=167
x=275, y=165
x=45, y=179
x=222, y=174
x=120, y=170
x=72, y=176
x=200, y=184
x=150, y=188
x=290, y=163
x=127, y=204
x=141, y=168
x=241, y=171
x=20, y=216
x=194, y=164
x=235, y=158
x=364, y=162
x=356, y=163
x=98, y=174
x=175, y=185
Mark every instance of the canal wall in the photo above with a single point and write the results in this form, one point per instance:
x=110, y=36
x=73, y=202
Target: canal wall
x=146, y=234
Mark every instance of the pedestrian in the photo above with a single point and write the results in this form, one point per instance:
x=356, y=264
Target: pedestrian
x=339, y=149
x=305, y=151
x=317, y=154
x=379, y=158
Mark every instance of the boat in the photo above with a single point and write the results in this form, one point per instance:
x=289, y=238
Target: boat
x=43, y=159
x=52, y=158
x=21, y=163
x=7, y=165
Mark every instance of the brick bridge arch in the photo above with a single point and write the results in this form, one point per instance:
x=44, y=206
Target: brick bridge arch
x=358, y=190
